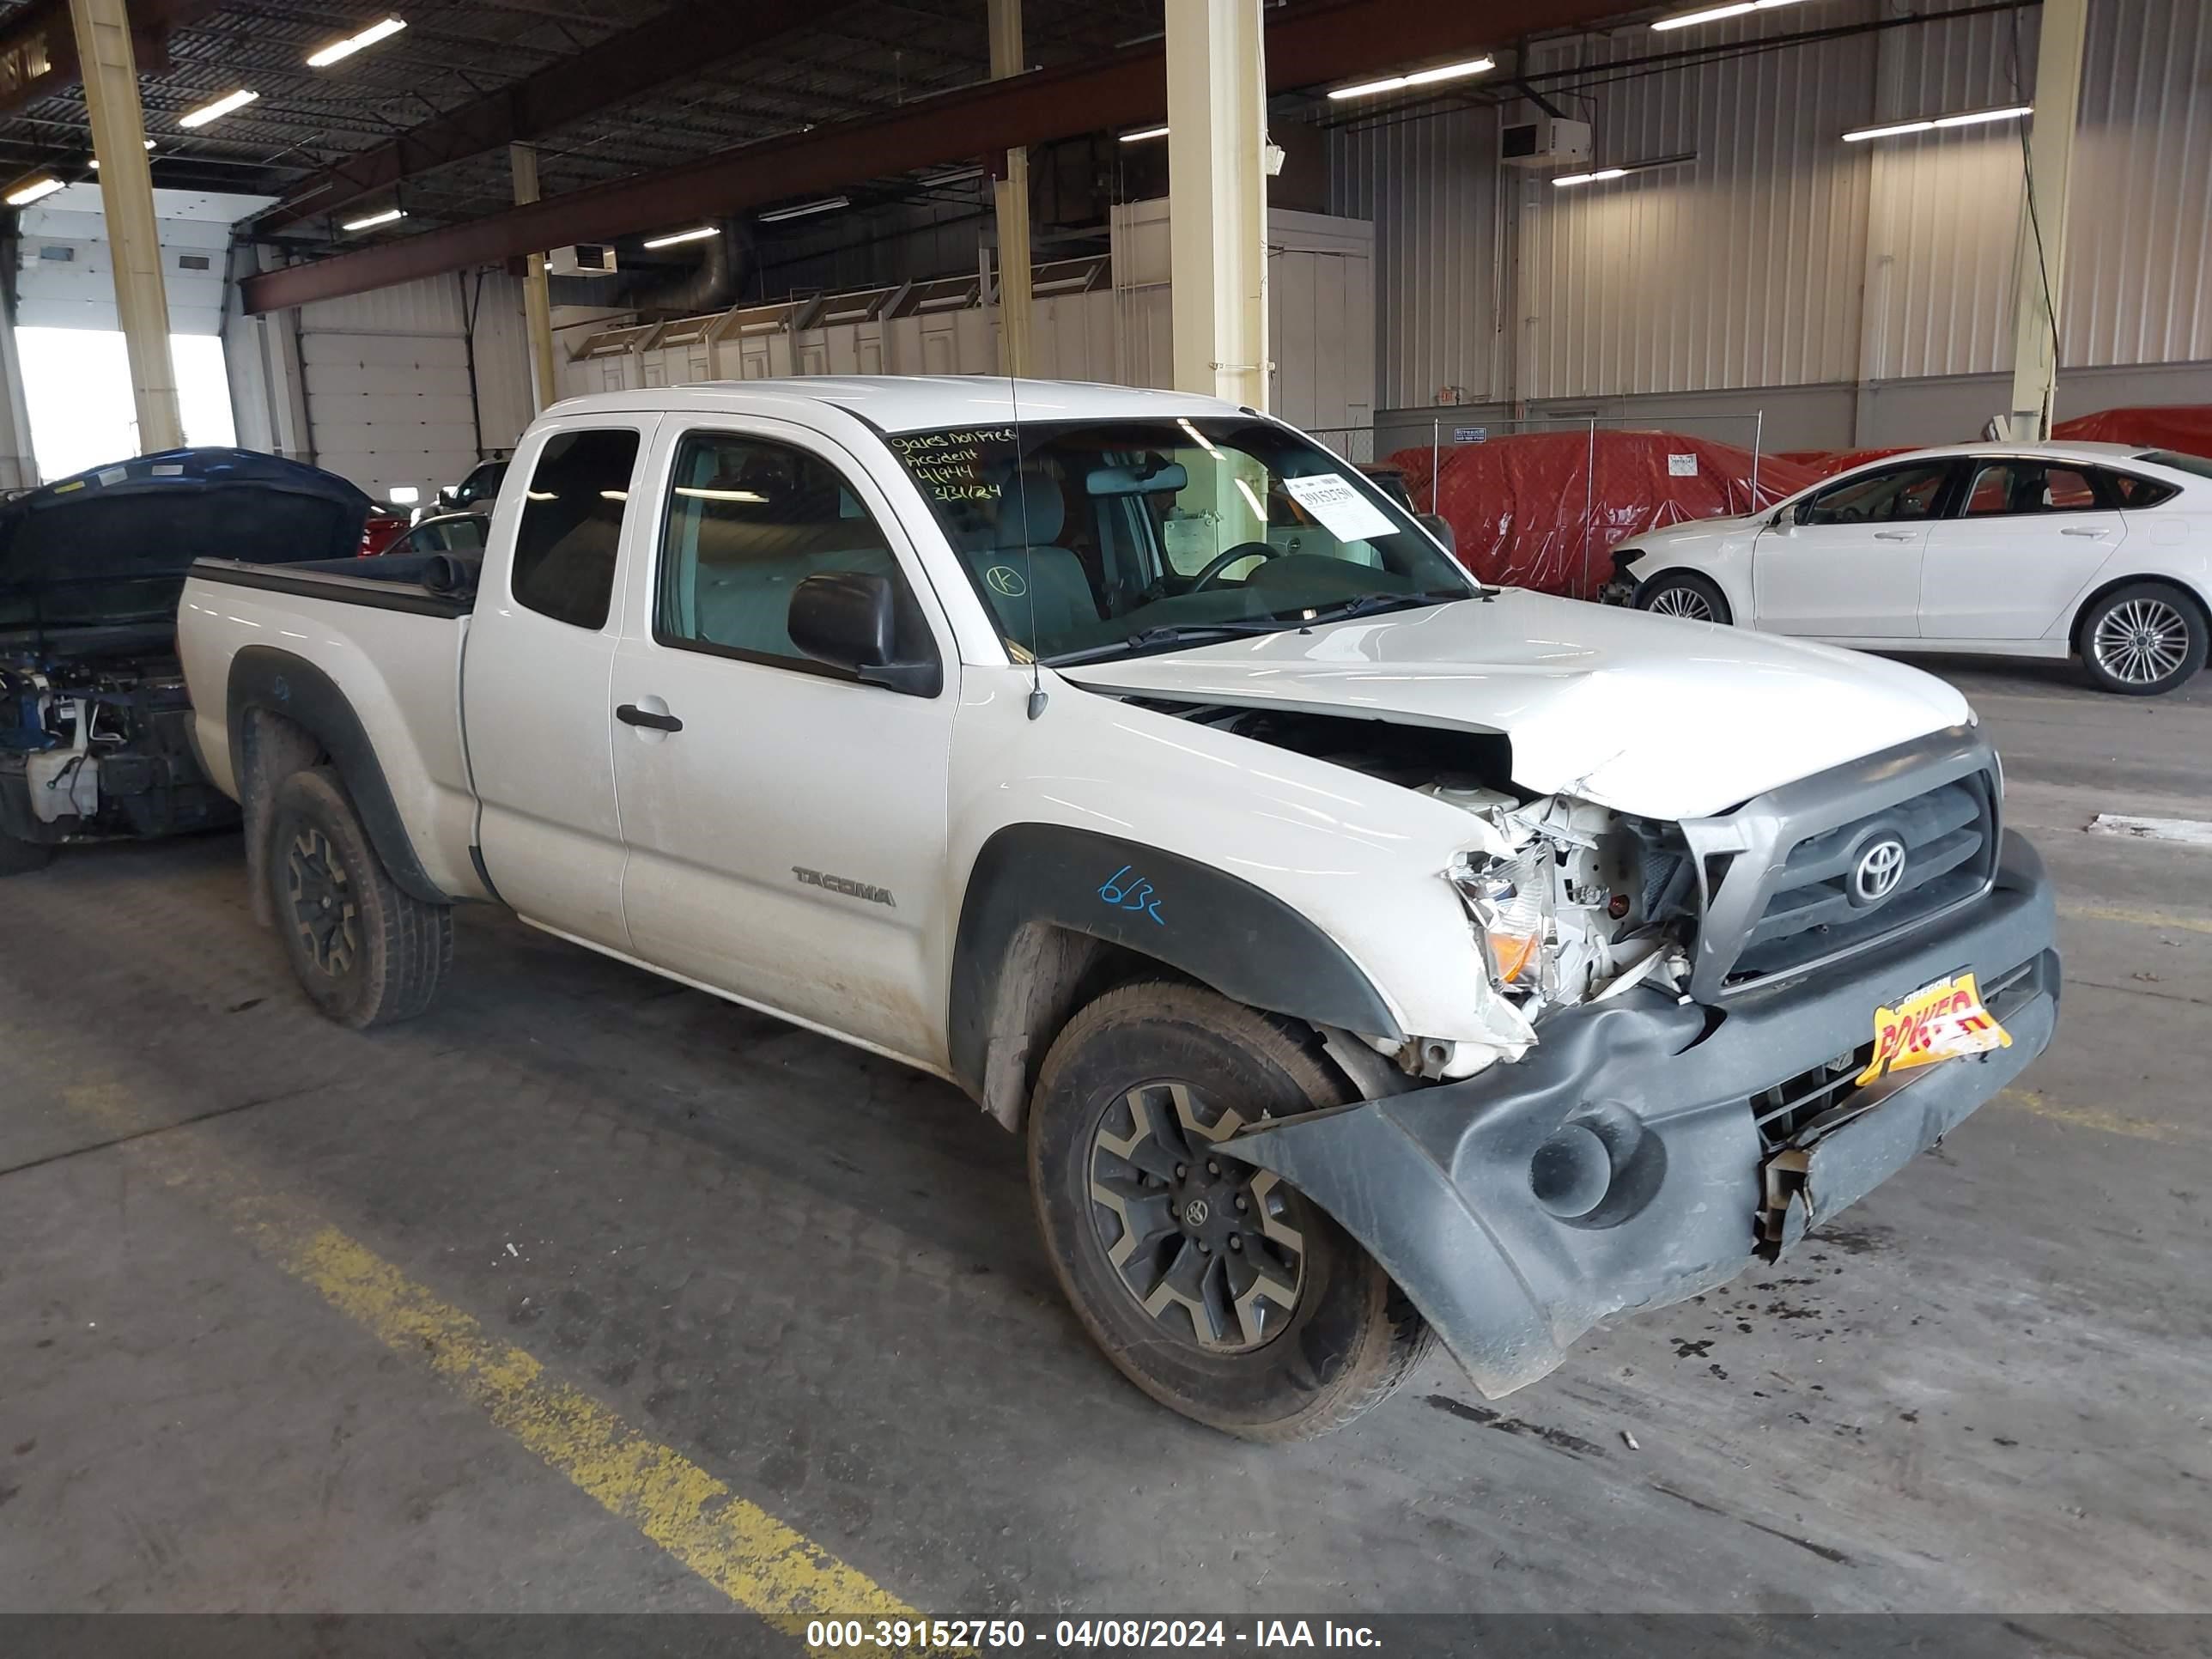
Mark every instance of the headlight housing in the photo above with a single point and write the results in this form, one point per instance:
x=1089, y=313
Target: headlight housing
x=1509, y=903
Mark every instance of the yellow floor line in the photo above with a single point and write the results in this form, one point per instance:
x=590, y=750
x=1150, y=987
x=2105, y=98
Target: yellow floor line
x=754, y=1558
x=2091, y=1117
x=2137, y=918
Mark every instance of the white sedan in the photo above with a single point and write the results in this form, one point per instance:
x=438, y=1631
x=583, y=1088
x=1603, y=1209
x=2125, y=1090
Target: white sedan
x=2099, y=551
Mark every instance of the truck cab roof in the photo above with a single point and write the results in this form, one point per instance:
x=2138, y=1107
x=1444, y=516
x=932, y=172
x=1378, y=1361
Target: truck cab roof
x=911, y=403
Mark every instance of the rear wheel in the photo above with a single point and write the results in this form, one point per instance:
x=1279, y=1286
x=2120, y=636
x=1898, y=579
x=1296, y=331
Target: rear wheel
x=366, y=953
x=1213, y=1286
x=1683, y=593
x=20, y=858
x=2143, y=639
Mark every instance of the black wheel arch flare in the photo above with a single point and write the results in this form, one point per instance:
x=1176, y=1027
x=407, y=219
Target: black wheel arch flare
x=292, y=688
x=1221, y=930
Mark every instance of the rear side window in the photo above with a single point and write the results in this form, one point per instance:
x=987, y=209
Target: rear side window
x=2128, y=490
x=571, y=529
x=2008, y=488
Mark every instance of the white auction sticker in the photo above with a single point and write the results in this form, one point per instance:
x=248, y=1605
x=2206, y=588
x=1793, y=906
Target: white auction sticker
x=1681, y=466
x=1343, y=511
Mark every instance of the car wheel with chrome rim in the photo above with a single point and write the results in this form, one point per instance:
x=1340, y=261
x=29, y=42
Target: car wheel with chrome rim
x=2143, y=638
x=1215, y=1286
x=1685, y=594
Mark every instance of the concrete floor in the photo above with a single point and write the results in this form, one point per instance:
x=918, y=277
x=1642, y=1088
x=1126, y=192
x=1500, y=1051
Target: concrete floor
x=813, y=1276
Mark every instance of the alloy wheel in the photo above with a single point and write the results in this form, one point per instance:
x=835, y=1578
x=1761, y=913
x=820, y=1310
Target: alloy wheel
x=1206, y=1245
x=2141, y=641
x=322, y=907
x=1685, y=602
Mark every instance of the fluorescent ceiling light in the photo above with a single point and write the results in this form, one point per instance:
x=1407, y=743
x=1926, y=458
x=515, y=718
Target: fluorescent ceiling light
x=353, y=43
x=1417, y=78
x=214, y=112
x=1970, y=118
x=374, y=219
x=1143, y=133
x=404, y=495
x=827, y=205
x=1714, y=14
x=95, y=160
x=1598, y=175
x=614, y=494
x=698, y=235
x=33, y=190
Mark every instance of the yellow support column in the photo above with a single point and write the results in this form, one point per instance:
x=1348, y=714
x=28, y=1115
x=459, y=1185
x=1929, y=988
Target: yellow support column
x=1217, y=198
x=2061, y=34
x=1012, y=201
x=536, y=292
x=126, y=199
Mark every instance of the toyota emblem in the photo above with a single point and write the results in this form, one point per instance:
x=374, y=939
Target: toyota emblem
x=1879, y=870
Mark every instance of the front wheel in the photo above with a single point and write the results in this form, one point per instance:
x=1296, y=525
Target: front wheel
x=1685, y=594
x=365, y=952
x=1216, y=1288
x=2143, y=640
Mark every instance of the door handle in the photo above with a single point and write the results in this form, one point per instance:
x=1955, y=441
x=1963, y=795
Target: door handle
x=630, y=714
x=2084, y=530
x=1897, y=535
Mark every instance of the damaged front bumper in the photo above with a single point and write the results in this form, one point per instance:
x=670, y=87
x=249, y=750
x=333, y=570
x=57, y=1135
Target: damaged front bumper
x=1622, y=1164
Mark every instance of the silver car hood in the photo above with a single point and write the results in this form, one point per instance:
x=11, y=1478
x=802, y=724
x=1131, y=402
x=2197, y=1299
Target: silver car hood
x=1647, y=715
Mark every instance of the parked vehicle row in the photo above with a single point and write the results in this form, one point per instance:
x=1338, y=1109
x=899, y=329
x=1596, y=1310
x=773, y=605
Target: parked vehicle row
x=2102, y=552
x=1367, y=955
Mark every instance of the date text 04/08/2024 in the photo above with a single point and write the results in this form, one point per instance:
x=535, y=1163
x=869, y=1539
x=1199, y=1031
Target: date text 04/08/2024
x=1073, y=1635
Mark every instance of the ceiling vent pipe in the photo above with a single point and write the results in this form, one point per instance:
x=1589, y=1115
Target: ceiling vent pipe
x=713, y=285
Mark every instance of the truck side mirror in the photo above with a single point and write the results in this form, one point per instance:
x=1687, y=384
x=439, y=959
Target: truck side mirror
x=1439, y=526
x=849, y=619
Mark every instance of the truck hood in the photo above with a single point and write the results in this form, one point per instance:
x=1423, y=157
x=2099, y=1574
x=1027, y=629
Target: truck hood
x=1653, y=715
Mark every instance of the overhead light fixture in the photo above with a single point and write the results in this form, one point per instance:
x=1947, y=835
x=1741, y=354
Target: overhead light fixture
x=374, y=220
x=827, y=205
x=1418, y=78
x=354, y=43
x=95, y=160
x=403, y=495
x=1970, y=118
x=33, y=190
x=1714, y=14
x=1142, y=134
x=214, y=112
x=1598, y=175
x=698, y=235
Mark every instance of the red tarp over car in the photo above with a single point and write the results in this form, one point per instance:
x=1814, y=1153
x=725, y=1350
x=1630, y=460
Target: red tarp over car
x=1543, y=510
x=2184, y=427
x=1826, y=463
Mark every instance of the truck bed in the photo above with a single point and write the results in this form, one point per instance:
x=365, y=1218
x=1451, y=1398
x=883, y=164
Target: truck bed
x=425, y=584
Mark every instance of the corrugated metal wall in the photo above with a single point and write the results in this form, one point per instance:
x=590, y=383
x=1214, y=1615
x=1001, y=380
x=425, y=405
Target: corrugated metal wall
x=1782, y=255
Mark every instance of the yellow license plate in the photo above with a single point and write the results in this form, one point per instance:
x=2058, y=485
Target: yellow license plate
x=1941, y=1021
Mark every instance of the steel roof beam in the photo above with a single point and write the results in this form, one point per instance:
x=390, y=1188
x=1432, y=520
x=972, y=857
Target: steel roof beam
x=672, y=47
x=1312, y=47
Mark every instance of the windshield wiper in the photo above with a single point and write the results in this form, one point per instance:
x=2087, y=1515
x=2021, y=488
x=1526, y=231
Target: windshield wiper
x=1175, y=633
x=1369, y=605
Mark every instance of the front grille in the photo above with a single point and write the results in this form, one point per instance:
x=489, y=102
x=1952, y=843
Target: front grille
x=1950, y=851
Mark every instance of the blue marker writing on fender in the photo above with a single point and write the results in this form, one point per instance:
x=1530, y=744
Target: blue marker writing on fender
x=1136, y=894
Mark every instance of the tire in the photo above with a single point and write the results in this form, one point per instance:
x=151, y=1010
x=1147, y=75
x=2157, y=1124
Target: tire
x=21, y=857
x=2143, y=640
x=1685, y=594
x=1272, y=1372
x=366, y=953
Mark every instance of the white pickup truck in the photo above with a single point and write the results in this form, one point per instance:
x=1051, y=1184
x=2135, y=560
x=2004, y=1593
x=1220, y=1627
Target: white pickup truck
x=1365, y=953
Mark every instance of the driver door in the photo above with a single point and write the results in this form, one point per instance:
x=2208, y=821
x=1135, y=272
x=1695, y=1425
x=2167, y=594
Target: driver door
x=1846, y=563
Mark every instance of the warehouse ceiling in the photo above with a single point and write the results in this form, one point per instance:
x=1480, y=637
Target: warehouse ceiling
x=834, y=61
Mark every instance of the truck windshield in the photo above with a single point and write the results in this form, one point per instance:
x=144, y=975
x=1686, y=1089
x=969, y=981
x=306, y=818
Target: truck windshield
x=1094, y=538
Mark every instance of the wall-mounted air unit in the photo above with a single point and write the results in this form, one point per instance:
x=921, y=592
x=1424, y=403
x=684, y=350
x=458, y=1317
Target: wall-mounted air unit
x=586, y=259
x=1549, y=141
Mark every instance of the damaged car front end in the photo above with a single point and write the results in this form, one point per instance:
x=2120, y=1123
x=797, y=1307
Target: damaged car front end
x=1730, y=1028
